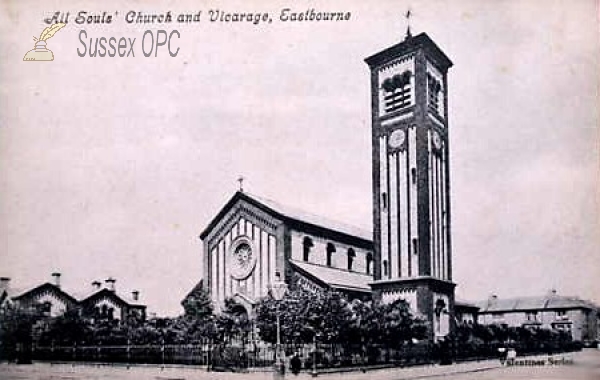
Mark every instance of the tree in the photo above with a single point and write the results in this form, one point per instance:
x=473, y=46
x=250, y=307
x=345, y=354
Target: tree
x=232, y=323
x=66, y=329
x=198, y=320
x=303, y=315
x=390, y=324
x=197, y=304
x=16, y=326
x=333, y=319
x=399, y=325
x=297, y=323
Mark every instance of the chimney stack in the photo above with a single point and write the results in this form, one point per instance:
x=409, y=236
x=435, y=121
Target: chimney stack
x=110, y=283
x=135, y=295
x=96, y=285
x=552, y=292
x=4, y=282
x=56, y=277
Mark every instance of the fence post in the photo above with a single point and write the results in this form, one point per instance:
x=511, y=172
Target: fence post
x=128, y=352
x=314, y=362
x=162, y=352
x=74, y=353
x=209, y=347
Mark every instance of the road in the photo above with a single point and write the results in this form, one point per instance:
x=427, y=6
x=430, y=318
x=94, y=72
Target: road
x=583, y=365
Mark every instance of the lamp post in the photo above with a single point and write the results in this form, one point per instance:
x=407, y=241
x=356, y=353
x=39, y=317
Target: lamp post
x=278, y=289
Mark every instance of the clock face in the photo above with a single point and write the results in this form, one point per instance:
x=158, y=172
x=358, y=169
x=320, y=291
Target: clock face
x=437, y=140
x=397, y=138
x=243, y=259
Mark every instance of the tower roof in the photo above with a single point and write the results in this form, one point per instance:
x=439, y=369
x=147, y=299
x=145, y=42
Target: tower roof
x=411, y=44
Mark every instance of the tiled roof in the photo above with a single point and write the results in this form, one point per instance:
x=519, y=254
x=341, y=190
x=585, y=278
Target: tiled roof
x=533, y=303
x=567, y=302
x=45, y=286
x=74, y=295
x=316, y=220
x=336, y=278
x=10, y=291
x=291, y=213
x=465, y=304
x=126, y=297
x=16, y=292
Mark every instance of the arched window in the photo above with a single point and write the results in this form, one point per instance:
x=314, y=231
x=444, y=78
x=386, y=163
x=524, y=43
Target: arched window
x=104, y=312
x=44, y=308
x=434, y=87
x=369, y=260
x=330, y=250
x=384, y=201
x=351, y=256
x=397, y=91
x=385, y=268
x=307, y=244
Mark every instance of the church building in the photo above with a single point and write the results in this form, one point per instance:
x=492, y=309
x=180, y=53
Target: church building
x=253, y=240
x=408, y=254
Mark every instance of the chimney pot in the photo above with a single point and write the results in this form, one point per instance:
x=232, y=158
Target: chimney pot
x=135, y=295
x=56, y=276
x=110, y=283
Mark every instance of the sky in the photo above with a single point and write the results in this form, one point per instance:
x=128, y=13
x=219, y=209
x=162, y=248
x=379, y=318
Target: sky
x=113, y=166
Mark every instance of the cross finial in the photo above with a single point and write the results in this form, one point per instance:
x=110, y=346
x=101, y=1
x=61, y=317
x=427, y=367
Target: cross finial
x=241, y=181
x=407, y=15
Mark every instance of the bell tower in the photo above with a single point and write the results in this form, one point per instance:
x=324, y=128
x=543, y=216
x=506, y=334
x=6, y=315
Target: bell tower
x=411, y=179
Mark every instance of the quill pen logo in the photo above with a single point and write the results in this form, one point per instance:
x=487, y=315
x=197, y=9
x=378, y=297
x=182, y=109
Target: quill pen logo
x=40, y=52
